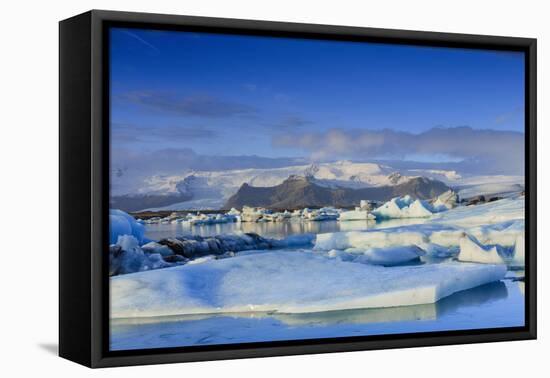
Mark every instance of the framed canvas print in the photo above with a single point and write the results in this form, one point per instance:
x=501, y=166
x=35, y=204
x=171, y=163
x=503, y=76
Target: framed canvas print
x=233, y=188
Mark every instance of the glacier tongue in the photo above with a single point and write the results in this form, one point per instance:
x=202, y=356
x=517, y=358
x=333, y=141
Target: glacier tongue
x=289, y=282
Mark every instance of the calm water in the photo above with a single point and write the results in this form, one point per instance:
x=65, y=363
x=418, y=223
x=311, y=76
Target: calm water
x=271, y=229
x=500, y=304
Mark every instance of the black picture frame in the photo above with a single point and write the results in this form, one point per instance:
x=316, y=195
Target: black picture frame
x=84, y=188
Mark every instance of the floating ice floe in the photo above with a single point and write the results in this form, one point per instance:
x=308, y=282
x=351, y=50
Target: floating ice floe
x=439, y=241
x=289, y=282
x=504, y=233
x=393, y=255
x=472, y=251
x=356, y=214
x=376, y=238
x=484, y=214
x=499, y=222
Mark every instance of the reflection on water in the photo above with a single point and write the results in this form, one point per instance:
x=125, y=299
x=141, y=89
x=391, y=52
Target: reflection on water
x=271, y=229
x=499, y=304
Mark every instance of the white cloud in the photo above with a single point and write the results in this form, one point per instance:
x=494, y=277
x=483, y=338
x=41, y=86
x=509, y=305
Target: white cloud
x=495, y=151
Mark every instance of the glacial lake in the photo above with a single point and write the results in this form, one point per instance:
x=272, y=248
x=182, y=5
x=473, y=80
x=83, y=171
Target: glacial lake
x=495, y=305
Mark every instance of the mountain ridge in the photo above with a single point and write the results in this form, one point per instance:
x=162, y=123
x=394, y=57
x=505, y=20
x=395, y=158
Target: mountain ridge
x=299, y=192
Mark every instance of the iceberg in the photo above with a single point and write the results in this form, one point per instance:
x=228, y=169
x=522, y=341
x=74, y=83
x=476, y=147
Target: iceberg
x=472, y=251
x=121, y=223
x=289, y=282
x=403, y=207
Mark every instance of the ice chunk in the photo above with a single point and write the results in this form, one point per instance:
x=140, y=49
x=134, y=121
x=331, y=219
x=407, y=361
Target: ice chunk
x=403, y=208
x=234, y=211
x=391, y=256
x=369, y=239
x=447, y=237
x=194, y=246
x=505, y=233
x=293, y=282
x=127, y=257
x=121, y=223
x=471, y=250
x=436, y=251
x=357, y=214
x=519, y=251
x=445, y=201
x=299, y=240
x=127, y=242
x=207, y=219
x=154, y=247
x=502, y=234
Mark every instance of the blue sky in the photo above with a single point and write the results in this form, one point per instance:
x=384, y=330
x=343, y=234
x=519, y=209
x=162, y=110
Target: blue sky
x=224, y=95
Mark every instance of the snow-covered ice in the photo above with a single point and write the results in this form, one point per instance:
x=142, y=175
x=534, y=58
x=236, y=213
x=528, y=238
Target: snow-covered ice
x=393, y=255
x=354, y=215
x=293, y=282
x=519, y=251
x=389, y=256
x=495, y=226
x=376, y=238
x=488, y=213
x=491, y=186
x=472, y=251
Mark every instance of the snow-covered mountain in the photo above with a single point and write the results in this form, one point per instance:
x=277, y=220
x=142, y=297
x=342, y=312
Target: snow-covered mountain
x=211, y=189
x=298, y=192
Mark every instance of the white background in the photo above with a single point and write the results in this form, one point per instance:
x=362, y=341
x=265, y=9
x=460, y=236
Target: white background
x=29, y=186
